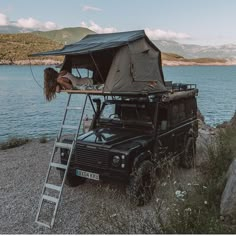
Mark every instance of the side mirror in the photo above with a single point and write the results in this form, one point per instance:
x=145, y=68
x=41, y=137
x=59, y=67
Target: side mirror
x=98, y=104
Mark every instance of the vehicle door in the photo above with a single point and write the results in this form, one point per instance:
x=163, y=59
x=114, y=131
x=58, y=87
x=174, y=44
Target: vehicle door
x=164, y=135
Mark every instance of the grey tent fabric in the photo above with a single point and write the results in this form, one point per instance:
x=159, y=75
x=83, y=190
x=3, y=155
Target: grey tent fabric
x=96, y=42
x=136, y=68
x=126, y=62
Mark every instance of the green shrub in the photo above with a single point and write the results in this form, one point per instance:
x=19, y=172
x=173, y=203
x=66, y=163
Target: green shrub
x=13, y=142
x=43, y=140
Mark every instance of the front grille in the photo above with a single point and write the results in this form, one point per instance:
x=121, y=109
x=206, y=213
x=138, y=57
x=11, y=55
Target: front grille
x=89, y=157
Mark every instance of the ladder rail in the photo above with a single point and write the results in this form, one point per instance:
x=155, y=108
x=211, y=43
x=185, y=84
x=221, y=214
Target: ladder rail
x=52, y=164
x=51, y=159
x=68, y=161
x=64, y=117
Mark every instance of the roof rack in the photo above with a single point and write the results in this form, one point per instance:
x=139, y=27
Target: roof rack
x=102, y=93
x=172, y=87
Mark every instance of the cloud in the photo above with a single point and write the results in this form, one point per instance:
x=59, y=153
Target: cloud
x=28, y=23
x=91, y=8
x=98, y=29
x=31, y=23
x=168, y=35
x=3, y=20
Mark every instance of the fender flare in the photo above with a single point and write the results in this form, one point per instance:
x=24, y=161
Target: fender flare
x=147, y=155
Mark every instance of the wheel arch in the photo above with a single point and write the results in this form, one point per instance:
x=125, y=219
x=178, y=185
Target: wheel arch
x=143, y=156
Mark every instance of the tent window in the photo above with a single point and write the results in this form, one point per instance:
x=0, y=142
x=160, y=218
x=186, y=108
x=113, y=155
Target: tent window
x=145, y=66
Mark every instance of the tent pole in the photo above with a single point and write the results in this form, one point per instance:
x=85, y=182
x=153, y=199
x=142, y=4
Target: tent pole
x=91, y=103
x=97, y=67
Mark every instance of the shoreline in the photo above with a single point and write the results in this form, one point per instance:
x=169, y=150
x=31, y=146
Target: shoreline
x=30, y=62
x=228, y=62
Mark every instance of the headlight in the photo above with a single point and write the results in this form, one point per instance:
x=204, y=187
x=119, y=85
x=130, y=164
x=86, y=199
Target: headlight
x=116, y=161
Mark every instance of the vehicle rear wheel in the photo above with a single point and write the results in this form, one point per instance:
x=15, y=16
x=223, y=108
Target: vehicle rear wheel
x=142, y=184
x=188, y=160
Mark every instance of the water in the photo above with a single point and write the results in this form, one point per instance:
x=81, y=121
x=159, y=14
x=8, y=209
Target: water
x=217, y=89
x=24, y=111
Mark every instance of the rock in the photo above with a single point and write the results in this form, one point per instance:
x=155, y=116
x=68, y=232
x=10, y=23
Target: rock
x=200, y=116
x=228, y=198
x=226, y=124
x=233, y=120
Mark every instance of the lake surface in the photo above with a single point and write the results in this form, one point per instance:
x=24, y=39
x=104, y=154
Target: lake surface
x=25, y=113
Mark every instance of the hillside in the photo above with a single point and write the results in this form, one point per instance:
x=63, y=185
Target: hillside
x=66, y=35
x=15, y=47
x=197, y=51
x=172, y=59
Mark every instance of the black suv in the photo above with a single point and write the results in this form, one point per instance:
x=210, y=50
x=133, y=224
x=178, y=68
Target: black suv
x=130, y=136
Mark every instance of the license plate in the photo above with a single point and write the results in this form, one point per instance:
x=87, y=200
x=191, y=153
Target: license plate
x=86, y=174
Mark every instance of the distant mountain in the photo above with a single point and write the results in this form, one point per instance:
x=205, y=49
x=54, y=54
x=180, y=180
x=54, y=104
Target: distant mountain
x=71, y=35
x=16, y=44
x=196, y=51
x=74, y=34
x=66, y=35
x=11, y=29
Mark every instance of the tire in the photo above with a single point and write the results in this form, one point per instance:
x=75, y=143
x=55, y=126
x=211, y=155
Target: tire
x=142, y=184
x=72, y=180
x=188, y=159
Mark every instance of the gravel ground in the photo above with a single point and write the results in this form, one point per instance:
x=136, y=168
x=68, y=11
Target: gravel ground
x=94, y=207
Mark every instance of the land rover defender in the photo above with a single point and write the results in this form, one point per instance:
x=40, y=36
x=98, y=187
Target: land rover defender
x=130, y=136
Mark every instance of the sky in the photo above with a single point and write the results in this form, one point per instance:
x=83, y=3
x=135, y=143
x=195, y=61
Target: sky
x=203, y=22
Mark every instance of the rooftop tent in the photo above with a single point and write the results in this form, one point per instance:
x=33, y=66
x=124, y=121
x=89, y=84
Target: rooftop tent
x=124, y=62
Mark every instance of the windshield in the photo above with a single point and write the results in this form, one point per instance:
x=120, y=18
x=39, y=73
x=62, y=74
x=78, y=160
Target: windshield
x=128, y=112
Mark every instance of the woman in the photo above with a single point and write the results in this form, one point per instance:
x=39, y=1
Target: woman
x=54, y=82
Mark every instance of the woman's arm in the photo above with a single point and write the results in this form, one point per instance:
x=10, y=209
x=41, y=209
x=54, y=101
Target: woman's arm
x=64, y=83
x=58, y=88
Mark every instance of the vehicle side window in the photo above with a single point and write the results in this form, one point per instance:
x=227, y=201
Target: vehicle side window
x=174, y=114
x=182, y=112
x=108, y=111
x=178, y=112
x=163, y=118
x=191, y=107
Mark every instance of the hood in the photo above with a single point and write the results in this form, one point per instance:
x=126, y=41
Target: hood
x=115, y=137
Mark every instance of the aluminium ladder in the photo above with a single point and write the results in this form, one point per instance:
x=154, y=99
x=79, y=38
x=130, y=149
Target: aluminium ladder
x=45, y=197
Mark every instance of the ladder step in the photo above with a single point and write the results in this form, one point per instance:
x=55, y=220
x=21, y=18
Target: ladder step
x=50, y=199
x=69, y=127
x=63, y=145
x=54, y=187
x=58, y=165
x=74, y=108
x=43, y=224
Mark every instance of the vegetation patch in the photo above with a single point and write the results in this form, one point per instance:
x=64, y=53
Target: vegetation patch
x=198, y=213
x=13, y=142
x=43, y=140
x=14, y=47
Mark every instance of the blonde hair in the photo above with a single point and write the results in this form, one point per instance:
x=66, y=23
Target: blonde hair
x=50, y=83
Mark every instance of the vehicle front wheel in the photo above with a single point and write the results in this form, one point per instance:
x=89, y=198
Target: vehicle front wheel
x=72, y=180
x=142, y=184
x=188, y=160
